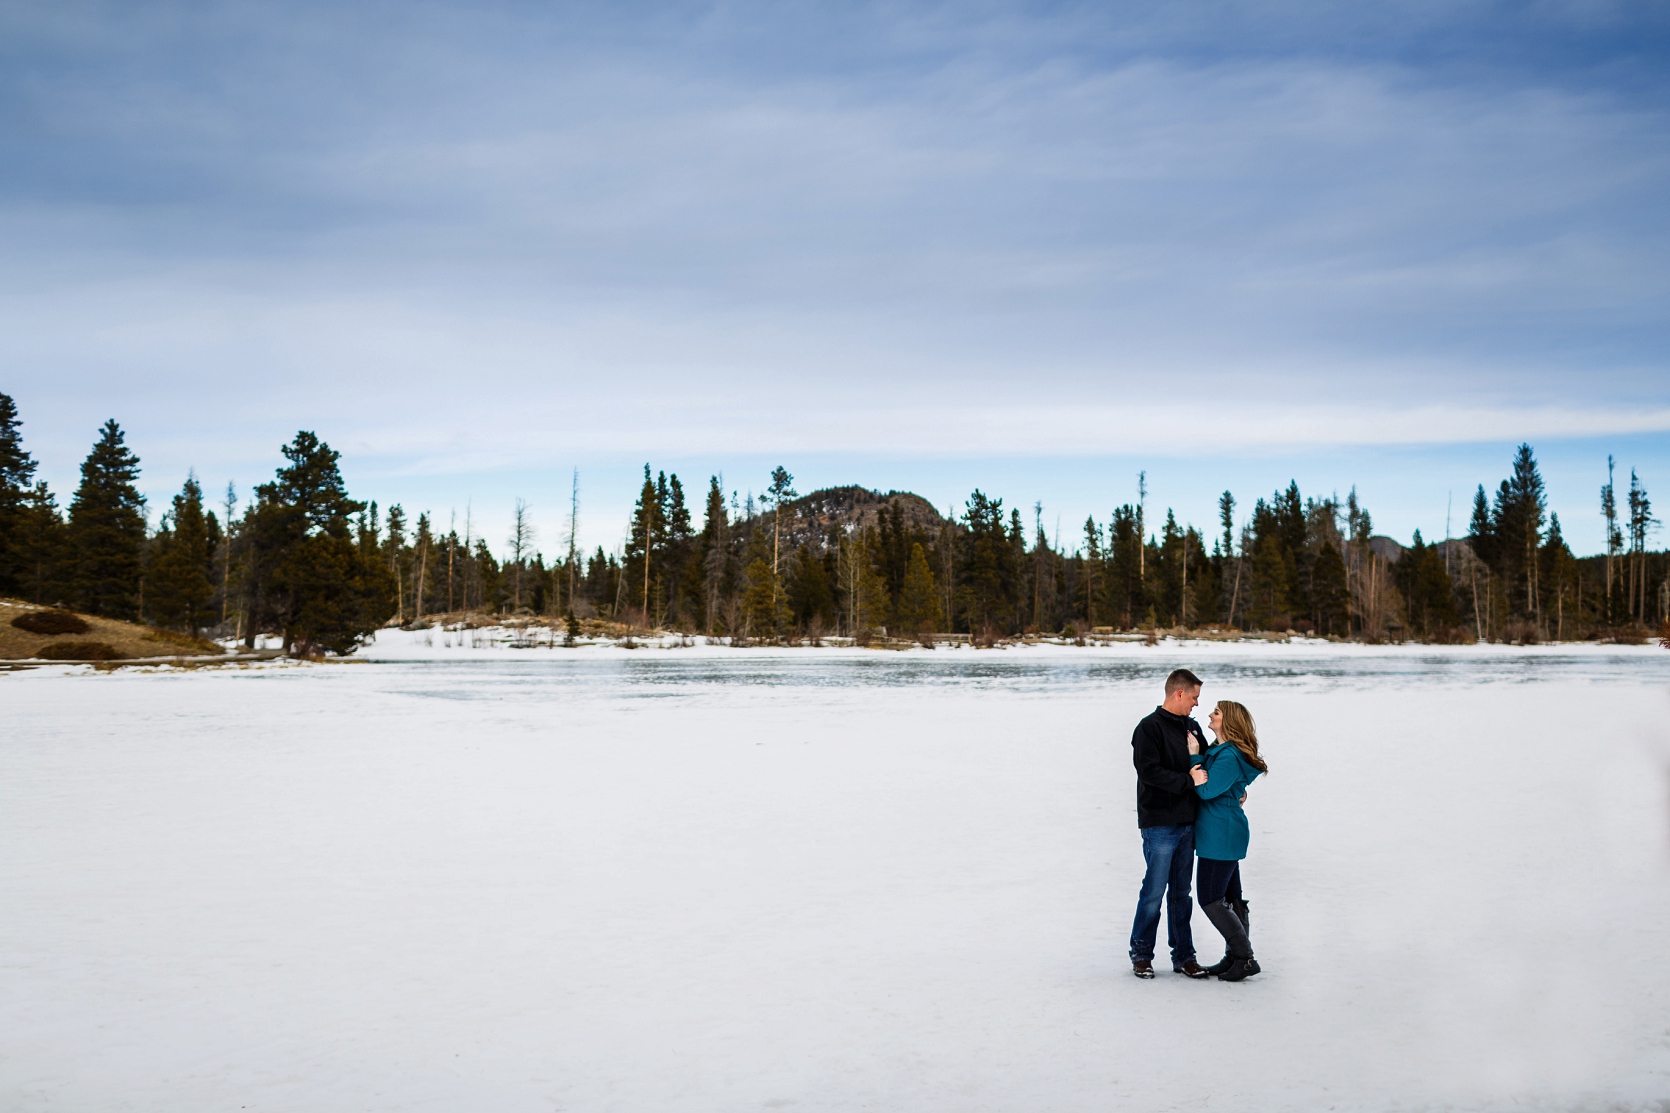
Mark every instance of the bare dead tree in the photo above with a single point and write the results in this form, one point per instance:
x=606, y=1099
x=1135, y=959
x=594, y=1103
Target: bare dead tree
x=468, y=505
x=573, y=535
x=1142, y=537
x=230, y=503
x=423, y=565
x=1037, y=560
x=620, y=584
x=521, y=541
x=1184, y=605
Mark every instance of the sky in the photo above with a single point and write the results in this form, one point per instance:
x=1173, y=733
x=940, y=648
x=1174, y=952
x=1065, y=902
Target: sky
x=1035, y=249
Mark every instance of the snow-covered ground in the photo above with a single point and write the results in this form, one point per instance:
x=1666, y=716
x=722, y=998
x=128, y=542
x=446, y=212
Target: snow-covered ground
x=456, y=878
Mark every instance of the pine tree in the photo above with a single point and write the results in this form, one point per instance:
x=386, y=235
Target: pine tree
x=1614, y=540
x=780, y=491
x=397, y=556
x=488, y=576
x=1483, y=538
x=40, y=546
x=1329, y=594
x=811, y=598
x=422, y=545
x=1641, y=522
x=1231, y=580
x=875, y=601
x=643, y=540
x=1126, y=593
x=182, y=560
x=682, y=576
x=1363, y=570
x=715, y=555
x=1167, y=571
x=1268, y=607
x=107, y=529
x=1427, y=588
x=764, y=610
x=1559, y=576
x=760, y=593
x=865, y=601
x=918, y=608
x=1203, y=598
x=17, y=471
x=1517, y=517
x=1293, y=535
x=989, y=576
x=1044, y=565
x=1091, y=579
x=310, y=580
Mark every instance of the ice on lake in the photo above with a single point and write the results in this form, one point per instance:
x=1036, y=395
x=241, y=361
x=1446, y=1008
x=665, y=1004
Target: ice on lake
x=456, y=878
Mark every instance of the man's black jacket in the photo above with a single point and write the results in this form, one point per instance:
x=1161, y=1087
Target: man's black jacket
x=1160, y=751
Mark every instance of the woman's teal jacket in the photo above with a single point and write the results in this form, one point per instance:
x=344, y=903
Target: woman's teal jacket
x=1221, y=827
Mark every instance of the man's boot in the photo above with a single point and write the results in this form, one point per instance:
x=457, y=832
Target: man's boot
x=1240, y=956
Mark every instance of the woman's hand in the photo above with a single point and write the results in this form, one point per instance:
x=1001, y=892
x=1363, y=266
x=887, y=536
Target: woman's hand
x=1198, y=774
x=1194, y=744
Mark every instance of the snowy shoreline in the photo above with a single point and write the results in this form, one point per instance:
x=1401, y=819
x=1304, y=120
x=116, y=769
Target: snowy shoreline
x=508, y=643
x=511, y=643
x=404, y=644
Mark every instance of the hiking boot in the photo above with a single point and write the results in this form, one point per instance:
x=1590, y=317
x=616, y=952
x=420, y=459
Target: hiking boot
x=1143, y=969
x=1189, y=969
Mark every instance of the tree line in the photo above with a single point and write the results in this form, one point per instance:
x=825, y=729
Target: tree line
x=304, y=561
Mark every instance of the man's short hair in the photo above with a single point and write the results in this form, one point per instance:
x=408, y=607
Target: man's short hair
x=1180, y=679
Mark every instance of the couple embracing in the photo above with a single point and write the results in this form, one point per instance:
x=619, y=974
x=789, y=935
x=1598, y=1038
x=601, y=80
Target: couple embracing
x=1189, y=798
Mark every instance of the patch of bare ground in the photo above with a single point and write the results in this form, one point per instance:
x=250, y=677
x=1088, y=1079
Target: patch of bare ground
x=116, y=640
x=530, y=626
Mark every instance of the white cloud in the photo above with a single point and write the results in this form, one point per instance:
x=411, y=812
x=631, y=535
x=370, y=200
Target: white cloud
x=900, y=232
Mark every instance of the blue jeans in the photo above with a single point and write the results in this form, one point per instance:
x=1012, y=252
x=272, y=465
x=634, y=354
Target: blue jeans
x=1170, y=854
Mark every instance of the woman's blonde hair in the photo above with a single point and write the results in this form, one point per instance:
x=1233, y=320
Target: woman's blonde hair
x=1237, y=727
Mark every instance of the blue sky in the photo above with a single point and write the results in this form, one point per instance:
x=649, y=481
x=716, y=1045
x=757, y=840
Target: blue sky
x=1033, y=249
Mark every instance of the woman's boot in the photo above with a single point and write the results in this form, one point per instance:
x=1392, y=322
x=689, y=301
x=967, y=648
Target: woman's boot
x=1239, y=906
x=1240, y=956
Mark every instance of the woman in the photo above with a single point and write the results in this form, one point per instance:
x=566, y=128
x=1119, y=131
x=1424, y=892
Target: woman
x=1221, y=776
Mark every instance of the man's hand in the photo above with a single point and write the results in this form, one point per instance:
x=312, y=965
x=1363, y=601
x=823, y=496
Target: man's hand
x=1243, y=798
x=1198, y=774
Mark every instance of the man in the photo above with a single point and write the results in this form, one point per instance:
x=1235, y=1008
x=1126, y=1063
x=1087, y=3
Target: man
x=1166, y=806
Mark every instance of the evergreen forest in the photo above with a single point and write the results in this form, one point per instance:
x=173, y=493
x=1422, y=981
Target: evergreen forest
x=301, y=560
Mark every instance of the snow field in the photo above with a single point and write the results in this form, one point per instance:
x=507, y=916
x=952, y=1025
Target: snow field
x=521, y=885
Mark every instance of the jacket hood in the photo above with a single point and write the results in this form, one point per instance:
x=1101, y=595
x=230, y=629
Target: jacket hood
x=1247, y=767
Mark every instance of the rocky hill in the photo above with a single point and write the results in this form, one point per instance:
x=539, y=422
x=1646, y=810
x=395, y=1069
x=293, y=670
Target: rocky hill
x=820, y=517
x=1390, y=551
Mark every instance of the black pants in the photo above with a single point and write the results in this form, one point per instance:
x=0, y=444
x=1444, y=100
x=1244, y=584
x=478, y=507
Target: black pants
x=1216, y=879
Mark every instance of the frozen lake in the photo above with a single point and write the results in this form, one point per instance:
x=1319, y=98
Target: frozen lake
x=454, y=878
